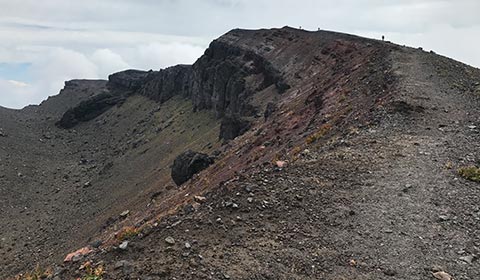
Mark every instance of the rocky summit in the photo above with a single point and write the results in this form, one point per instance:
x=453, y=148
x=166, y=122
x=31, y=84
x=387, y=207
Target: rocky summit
x=279, y=154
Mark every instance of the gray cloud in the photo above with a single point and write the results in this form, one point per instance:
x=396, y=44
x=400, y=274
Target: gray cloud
x=109, y=35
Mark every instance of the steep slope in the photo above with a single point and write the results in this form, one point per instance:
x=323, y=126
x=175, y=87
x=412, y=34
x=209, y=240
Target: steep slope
x=341, y=164
x=61, y=187
x=382, y=201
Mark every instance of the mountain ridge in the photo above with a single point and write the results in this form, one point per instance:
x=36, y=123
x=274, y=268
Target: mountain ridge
x=321, y=115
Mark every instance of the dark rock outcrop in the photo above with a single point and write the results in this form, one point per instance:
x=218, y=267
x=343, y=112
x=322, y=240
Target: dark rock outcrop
x=188, y=164
x=128, y=81
x=269, y=110
x=217, y=80
x=224, y=80
x=227, y=76
x=231, y=127
x=89, y=109
x=166, y=83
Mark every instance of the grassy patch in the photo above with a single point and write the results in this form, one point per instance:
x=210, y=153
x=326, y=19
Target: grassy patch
x=37, y=274
x=93, y=273
x=324, y=129
x=471, y=173
x=127, y=233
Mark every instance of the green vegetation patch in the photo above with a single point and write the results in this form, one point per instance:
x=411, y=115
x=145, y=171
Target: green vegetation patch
x=471, y=173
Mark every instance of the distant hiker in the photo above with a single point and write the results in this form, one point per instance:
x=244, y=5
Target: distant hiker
x=300, y=27
x=383, y=37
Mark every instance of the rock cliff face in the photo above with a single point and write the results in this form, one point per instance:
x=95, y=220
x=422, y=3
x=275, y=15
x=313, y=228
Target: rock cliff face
x=166, y=83
x=127, y=81
x=224, y=79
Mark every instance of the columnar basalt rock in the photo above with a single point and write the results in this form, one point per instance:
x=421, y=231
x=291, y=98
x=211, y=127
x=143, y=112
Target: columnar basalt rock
x=224, y=80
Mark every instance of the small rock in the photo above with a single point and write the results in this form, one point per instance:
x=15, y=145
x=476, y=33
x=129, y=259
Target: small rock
x=188, y=245
x=76, y=258
x=87, y=184
x=124, y=245
x=85, y=265
x=175, y=224
x=407, y=188
x=170, y=240
x=200, y=199
x=389, y=272
x=96, y=243
x=57, y=271
x=443, y=218
x=250, y=199
x=124, y=213
x=121, y=264
x=442, y=275
x=467, y=259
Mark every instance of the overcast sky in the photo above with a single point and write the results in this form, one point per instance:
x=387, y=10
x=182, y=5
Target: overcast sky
x=45, y=42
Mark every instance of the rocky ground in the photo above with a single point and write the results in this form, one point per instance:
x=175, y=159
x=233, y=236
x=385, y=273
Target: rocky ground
x=381, y=202
x=354, y=175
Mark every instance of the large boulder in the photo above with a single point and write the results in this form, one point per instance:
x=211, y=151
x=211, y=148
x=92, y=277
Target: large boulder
x=231, y=127
x=188, y=164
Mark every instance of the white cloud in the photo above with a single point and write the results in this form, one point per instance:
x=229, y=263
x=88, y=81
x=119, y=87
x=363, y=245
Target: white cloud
x=48, y=73
x=54, y=66
x=108, y=62
x=58, y=65
x=17, y=84
x=14, y=94
x=164, y=55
